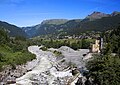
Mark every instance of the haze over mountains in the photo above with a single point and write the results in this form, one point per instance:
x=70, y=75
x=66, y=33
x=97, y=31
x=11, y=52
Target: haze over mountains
x=96, y=21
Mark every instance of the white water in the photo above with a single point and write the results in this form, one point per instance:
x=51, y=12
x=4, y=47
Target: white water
x=44, y=62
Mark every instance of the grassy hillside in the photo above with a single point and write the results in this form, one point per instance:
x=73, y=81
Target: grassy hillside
x=13, y=51
x=55, y=21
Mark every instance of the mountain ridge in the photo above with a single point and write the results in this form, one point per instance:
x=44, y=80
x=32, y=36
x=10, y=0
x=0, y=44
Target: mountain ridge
x=54, y=21
x=77, y=25
x=96, y=21
x=12, y=29
x=97, y=15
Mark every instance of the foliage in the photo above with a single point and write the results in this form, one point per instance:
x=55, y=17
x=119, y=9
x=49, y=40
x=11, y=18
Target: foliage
x=3, y=36
x=57, y=53
x=20, y=38
x=73, y=43
x=44, y=48
x=113, y=42
x=105, y=68
x=13, y=51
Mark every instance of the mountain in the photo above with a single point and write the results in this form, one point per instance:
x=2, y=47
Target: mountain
x=115, y=13
x=30, y=31
x=12, y=29
x=103, y=24
x=96, y=15
x=55, y=21
x=47, y=26
x=44, y=29
x=96, y=21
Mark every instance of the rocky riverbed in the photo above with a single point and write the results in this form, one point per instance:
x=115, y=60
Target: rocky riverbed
x=46, y=69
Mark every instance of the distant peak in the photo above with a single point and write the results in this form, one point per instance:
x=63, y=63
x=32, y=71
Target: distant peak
x=115, y=13
x=96, y=15
x=96, y=12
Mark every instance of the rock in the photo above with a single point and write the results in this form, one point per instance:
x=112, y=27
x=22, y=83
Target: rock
x=11, y=82
x=66, y=49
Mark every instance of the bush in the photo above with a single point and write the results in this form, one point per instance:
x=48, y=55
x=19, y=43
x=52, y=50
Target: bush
x=63, y=60
x=14, y=52
x=57, y=53
x=105, y=70
x=44, y=48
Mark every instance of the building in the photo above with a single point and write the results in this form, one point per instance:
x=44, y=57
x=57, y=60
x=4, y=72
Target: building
x=96, y=47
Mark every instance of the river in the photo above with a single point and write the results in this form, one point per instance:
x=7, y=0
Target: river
x=46, y=70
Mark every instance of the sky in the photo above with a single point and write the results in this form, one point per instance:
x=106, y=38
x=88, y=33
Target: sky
x=32, y=12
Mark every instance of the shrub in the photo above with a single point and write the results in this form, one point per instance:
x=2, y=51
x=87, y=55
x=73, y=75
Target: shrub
x=44, y=48
x=57, y=53
x=105, y=70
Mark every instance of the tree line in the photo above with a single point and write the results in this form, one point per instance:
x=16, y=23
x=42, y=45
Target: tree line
x=104, y=68
x=57, y=43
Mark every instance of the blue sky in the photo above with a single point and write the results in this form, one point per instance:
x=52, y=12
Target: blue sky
x=32, y=12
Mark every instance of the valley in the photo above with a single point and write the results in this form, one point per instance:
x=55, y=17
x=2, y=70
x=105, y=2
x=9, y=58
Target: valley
x=62, y=51
x=50, y=69
x=57, y=28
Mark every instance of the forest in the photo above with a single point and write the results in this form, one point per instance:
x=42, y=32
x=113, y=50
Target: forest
x=104, y=68
x=13, y=50
x=57, y=43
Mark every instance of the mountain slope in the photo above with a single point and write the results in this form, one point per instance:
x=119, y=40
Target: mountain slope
x=96, y=21
x=55, y=21
x=46, y=27
x=103, y=24
x=12, y=29
x=30, y=31
x=96, y=15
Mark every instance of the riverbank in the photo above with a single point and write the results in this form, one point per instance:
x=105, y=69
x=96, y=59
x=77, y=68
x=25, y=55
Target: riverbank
x=49, y=69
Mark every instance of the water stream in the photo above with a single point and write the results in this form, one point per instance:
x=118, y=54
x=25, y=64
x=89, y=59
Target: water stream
x=43, y=70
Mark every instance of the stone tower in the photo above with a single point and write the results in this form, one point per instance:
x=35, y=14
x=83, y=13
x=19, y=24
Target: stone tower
x=96, y=46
